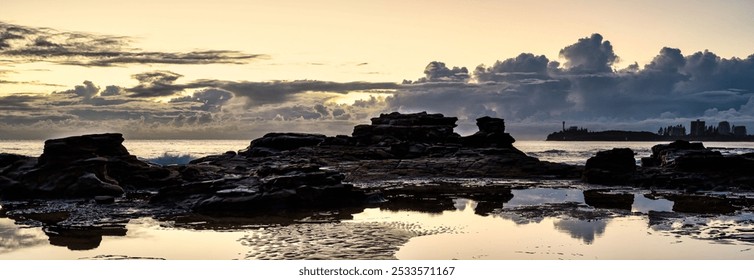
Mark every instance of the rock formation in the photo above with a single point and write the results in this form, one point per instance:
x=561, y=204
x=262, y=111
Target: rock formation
x=81, y=166
x=277, y=171
x=395, y=128
x=677, y=165
x=612, y=167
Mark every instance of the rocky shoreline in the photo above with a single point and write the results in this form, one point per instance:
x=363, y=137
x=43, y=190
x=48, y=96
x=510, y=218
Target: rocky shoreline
x=90, y=184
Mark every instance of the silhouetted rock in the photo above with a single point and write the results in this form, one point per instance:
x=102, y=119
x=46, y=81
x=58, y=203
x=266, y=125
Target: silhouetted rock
x=70, y=149
x=81, y=166
x=278, y=171
x=665, y=154
x=286, y=187
x=491, y=134
x=273, y=143
x=692, y=167
x=395, y=128
x=611, y=167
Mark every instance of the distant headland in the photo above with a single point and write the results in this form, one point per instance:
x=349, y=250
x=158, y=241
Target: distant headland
x=723, y=132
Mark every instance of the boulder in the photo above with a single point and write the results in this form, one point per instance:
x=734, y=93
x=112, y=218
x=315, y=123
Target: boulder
x=66, y=150
x=665, y=154
x=491, y=134
x=611, y=167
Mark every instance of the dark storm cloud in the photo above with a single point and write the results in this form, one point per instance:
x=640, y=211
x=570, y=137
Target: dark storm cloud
x=18, y=102
x=260, y=93
x=162, y=83
x=589, y=55
x=30, y=44
x=210, y=99
x=524, y=65
x=531, y=91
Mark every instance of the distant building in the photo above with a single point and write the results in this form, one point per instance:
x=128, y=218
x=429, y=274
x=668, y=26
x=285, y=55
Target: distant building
x=677, y=131
x=739, y=130
x=723, y=128
x=697, y=128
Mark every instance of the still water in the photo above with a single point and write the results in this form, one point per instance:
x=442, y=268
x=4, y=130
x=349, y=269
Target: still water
x=508, y=232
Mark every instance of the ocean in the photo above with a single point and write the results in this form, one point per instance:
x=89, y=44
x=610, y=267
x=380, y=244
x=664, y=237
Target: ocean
x=180, y=151
x=650, y=230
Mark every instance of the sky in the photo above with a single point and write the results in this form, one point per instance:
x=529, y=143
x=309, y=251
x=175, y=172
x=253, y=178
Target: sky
x=231, y=69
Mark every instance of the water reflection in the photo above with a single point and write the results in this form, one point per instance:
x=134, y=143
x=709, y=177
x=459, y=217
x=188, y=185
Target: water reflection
x=541, y=196
x=14, y=237
x=85, y=238
x=533, y=223
x=644, y=204
x=585, y=231
x=511, y=235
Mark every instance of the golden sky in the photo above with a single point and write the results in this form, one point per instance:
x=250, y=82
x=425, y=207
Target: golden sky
x=379, y=40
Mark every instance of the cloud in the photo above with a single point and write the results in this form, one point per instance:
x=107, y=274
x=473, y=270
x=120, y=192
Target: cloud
x=162, y=83
x=112, y=90
x=531, y=92
x=437, y=72
x=23, y=44
x=589, y=55
x=535, y=94
x=85, y=91
x=34, y=83
x=18, y=102
x=210, y=99
x=524, y=65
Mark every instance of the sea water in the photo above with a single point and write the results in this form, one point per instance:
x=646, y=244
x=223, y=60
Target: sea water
x=459, y=233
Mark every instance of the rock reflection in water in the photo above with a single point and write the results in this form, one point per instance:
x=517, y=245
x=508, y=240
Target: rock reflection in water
x=85, y=238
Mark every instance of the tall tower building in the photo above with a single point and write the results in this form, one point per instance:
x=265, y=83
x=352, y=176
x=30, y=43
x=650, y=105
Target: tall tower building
x=697, y=128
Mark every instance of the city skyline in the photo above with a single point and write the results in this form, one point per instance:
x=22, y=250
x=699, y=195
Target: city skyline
x=239, y=69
